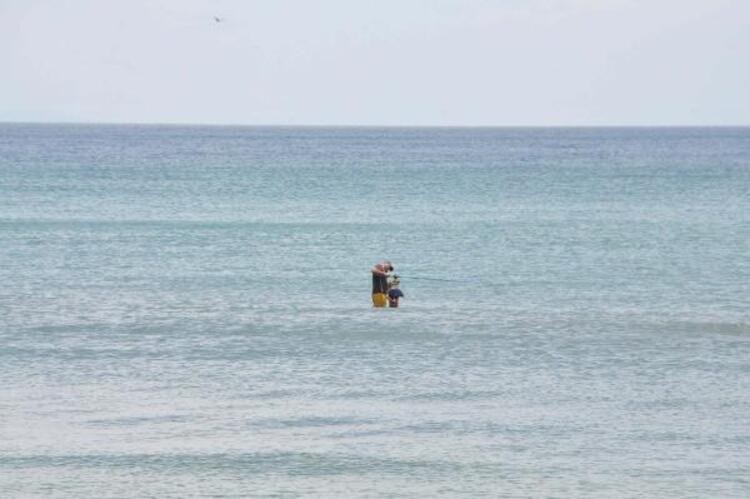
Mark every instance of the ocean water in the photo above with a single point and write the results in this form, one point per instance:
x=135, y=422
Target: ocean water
x=185, y=311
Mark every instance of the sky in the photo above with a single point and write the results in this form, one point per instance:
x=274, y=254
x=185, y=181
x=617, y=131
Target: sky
x=385, y=62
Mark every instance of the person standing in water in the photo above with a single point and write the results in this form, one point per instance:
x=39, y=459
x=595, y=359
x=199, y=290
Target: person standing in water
x=380, y=283
x=394, y=293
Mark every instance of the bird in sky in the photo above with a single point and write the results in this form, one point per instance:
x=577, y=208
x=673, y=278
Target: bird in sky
x=218, y=19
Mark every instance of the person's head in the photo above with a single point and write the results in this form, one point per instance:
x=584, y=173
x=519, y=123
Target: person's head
x=388, y=266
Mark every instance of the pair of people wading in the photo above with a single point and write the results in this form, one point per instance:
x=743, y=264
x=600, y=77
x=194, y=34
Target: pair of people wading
x=385, y=286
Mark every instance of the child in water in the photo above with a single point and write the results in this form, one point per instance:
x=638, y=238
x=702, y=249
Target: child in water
x=394, y=293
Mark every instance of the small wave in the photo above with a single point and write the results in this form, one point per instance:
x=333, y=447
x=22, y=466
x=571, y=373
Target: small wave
x=713, y=327
x=136, y=420
x=289, y=463
x=311, y=421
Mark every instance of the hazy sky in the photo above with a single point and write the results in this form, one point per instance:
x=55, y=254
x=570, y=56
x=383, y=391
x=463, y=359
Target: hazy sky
x=400, y=62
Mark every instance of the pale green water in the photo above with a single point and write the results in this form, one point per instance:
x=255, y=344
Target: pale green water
x=185, y=311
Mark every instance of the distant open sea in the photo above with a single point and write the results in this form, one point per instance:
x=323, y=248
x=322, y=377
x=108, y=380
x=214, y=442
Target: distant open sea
x=185, y=311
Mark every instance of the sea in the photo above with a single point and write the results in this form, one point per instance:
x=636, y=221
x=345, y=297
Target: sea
x=185, y=311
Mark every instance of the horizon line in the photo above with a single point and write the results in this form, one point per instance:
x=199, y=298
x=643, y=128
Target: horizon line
x=347, y=125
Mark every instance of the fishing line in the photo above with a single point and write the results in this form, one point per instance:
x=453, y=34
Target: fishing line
x=433, y=278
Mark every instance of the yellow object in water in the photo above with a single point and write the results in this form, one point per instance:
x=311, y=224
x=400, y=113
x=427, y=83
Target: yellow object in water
x=378, y=300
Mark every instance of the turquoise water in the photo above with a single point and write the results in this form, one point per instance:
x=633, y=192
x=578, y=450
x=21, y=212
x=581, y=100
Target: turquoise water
x=185, y=311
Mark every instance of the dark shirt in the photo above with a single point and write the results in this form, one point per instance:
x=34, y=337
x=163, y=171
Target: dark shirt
x=379, y=284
